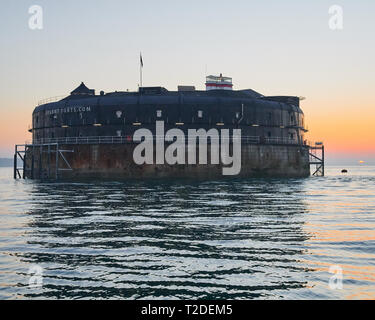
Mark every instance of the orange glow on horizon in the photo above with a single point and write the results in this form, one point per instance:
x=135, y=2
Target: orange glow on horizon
x=342, y=126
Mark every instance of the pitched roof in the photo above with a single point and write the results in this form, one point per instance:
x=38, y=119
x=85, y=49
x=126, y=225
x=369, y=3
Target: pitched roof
x=82, y=89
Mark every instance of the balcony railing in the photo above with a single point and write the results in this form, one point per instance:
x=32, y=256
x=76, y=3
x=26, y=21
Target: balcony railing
x=50, y=100
x=129, y=140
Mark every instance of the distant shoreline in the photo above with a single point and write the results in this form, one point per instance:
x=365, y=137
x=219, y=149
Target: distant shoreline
x=6, y=162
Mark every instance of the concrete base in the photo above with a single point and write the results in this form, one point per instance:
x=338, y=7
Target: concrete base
x=115, y=161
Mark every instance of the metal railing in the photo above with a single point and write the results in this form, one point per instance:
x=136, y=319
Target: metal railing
x=51, y=99
x=280, y=140
x=129, y=139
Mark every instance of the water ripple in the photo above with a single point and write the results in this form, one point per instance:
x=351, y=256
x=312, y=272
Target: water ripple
x=232, y=239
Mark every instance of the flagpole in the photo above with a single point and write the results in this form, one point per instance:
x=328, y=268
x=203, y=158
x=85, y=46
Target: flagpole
x=140, y=69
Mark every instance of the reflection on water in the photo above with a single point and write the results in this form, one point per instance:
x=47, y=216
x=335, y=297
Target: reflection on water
x=201, y=240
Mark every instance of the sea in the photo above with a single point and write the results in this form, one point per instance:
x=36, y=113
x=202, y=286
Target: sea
x=311, y=238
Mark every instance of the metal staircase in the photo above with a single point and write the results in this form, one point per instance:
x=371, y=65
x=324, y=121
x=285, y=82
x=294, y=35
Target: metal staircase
x=37, y=166
x=316, y=157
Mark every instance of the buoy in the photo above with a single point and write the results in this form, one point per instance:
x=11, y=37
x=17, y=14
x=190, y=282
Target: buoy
x=344, y=171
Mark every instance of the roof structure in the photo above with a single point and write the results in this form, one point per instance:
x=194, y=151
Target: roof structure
x=83, y=90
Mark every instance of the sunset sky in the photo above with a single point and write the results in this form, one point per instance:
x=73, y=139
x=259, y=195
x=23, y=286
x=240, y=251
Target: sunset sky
x=274, y=47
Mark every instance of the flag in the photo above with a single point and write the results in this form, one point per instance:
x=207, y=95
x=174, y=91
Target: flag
x=141, y=60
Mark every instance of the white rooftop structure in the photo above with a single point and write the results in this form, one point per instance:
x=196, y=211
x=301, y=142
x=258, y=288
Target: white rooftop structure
x=218, y=83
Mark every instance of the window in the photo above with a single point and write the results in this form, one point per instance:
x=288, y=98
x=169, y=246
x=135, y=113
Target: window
x=269, y=134
x=158, y=113
x=200, y=114
x=237, y=115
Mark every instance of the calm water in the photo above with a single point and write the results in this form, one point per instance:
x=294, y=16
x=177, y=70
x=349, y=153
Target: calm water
x=261, y=239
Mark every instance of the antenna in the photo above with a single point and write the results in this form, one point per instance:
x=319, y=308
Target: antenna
x=140, y=69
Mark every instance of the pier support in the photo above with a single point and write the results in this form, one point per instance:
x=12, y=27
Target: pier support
x=316, y=155
x=32, y=157
x=19, y=154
